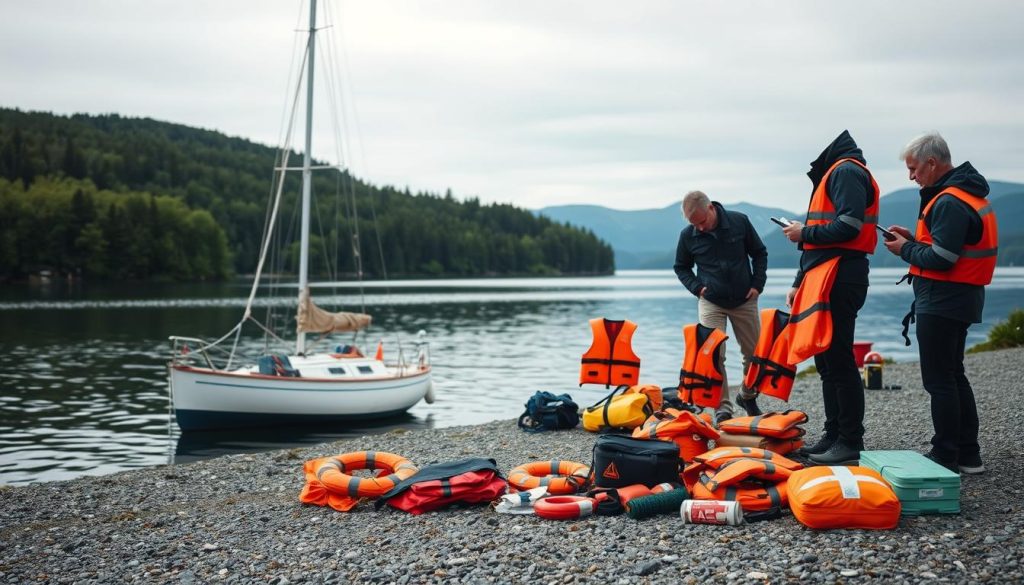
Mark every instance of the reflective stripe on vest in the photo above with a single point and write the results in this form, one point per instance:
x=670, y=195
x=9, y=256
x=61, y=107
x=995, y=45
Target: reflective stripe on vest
x=976, y=262
x=700, y=381
x=810, y=326
x=610, y=359
x=822, y=211
x=769, y=372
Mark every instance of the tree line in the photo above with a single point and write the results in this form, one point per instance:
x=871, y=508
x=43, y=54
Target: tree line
x=114, y=197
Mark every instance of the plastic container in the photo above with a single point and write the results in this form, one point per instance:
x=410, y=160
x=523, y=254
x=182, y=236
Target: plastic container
x=922, y=485
x=873, y=376
x=711, y=512
x=861, y=349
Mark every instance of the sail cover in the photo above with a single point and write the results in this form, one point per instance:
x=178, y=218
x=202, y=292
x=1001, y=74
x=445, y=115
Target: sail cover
x=313, y=319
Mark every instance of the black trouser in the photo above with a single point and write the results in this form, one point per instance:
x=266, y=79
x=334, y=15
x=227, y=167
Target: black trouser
x=842, y=389
x=954, y=413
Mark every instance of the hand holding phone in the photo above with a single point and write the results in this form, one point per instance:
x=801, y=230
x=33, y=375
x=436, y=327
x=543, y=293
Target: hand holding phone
x=783, y=222
x=889, y=236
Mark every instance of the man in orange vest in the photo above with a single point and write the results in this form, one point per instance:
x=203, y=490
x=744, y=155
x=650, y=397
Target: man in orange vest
x=840, y=227
x=952, y=257
x=732, y=265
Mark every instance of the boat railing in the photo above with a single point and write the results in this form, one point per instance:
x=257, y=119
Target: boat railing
x=187, y=351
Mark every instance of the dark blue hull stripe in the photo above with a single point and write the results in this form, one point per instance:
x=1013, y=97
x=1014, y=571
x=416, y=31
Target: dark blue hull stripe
x=191, y=420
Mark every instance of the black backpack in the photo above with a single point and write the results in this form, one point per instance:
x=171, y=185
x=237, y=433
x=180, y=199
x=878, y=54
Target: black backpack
x=621, y=461
x=547, y=412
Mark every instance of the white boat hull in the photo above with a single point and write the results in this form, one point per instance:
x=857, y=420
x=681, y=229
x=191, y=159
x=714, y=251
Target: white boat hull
x=205, y=398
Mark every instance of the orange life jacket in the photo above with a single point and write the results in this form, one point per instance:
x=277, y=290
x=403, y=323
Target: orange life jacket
x=822, y=211
x=810, y=323
x=977, y=261
x=687, y=430
x=700, y=381
x=610, y=359
x=770, y=371
x=753, y=477
x=779, y=425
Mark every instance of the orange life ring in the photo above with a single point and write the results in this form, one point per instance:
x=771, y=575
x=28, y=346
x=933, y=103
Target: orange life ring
x=564, y=507
x=328, y=484
x=560, y=477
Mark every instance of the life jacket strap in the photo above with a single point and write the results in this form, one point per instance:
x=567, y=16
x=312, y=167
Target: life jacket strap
x=909, y=318
x=705, y=382
x=610, y=362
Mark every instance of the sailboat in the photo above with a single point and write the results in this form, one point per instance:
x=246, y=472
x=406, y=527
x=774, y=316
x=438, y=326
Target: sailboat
x=300, y=386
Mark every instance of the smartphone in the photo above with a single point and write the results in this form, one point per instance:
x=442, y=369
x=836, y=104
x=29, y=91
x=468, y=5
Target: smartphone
x=783, y=222
x=886, y=233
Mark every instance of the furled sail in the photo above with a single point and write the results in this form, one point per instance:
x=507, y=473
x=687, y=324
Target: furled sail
x=313, y=319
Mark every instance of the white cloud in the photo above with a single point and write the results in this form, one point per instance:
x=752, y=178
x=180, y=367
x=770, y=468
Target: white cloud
x=541, y=103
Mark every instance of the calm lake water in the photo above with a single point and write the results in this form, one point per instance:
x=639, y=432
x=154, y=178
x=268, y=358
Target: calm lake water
x=83, y=381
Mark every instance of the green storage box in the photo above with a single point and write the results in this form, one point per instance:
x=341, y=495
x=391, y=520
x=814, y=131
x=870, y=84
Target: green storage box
x=922, y=485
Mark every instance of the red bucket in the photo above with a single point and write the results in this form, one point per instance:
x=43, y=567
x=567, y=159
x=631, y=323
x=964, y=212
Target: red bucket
x=861, y=349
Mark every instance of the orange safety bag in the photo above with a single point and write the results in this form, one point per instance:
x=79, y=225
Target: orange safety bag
x=843, y=497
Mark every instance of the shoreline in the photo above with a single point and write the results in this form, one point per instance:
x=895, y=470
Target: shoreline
x=237, y=518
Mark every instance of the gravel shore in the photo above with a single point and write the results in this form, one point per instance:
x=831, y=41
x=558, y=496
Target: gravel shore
x=237, y=519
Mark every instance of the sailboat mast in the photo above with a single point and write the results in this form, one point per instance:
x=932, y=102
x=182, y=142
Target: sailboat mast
x=307, y=173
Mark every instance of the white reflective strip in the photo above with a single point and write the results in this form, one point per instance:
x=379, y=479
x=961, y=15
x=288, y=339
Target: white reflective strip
x=850, y=220
x=847, y=482
x=946, y=254
x=586, y=507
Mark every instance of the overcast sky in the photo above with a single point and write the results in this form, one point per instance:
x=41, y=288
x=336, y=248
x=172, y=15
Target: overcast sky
x=627, y=105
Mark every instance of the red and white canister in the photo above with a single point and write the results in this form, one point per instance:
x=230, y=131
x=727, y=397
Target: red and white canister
x=711, y=512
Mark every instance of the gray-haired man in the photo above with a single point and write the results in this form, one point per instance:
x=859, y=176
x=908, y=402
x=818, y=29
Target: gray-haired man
x=732, y=265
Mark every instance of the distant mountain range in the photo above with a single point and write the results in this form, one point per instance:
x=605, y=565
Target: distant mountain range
x=647, y=238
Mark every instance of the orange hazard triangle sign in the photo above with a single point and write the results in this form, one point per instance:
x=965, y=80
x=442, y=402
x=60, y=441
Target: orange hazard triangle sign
x=611, y=472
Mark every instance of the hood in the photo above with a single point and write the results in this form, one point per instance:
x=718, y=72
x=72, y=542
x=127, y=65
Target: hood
x=965, y=177
x=842, y=147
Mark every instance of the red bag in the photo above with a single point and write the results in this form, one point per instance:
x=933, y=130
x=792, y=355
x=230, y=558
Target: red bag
x=471, y=481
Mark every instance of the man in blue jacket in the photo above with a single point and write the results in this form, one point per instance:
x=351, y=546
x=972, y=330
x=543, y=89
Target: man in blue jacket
x=952, y=257
x=732, y=265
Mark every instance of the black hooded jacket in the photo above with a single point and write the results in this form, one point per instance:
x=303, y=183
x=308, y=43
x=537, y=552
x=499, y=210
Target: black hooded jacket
x=952, y=224
x=849, y=187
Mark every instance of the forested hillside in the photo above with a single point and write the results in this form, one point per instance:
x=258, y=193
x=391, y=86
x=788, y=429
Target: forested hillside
x=113, y=197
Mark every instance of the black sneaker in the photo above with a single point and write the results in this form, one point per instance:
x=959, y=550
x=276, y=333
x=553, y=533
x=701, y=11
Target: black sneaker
x=838, y=454
x=948, y=465
x=721, y=416
x=823, y=444
x=971, y=465
x=749, y=405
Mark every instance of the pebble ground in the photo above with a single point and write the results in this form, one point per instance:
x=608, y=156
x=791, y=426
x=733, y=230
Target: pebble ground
x=237, y=519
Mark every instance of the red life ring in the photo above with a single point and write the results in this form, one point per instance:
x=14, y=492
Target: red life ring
x=564, y=507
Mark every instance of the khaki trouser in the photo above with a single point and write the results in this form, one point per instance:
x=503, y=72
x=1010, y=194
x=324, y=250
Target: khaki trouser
x=746, y=326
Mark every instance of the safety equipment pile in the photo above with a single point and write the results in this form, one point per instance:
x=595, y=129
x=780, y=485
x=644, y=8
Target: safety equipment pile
x=775, y=431
x=329, y=483
x=755, y=478
x=688, y=431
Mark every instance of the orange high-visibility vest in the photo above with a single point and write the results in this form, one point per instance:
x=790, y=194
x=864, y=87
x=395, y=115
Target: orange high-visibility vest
x=977, y=261
x=610, y=359
x=770, y=371
x=700, y=381
x=822, y=211
x=810, y=324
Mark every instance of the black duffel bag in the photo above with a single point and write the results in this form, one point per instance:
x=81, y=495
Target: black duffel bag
x=621, y=461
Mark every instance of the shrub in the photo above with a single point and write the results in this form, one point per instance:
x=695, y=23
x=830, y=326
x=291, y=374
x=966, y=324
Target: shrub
x=1004, y=334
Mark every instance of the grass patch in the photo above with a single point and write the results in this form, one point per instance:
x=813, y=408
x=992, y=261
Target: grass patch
x=1004, y=334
